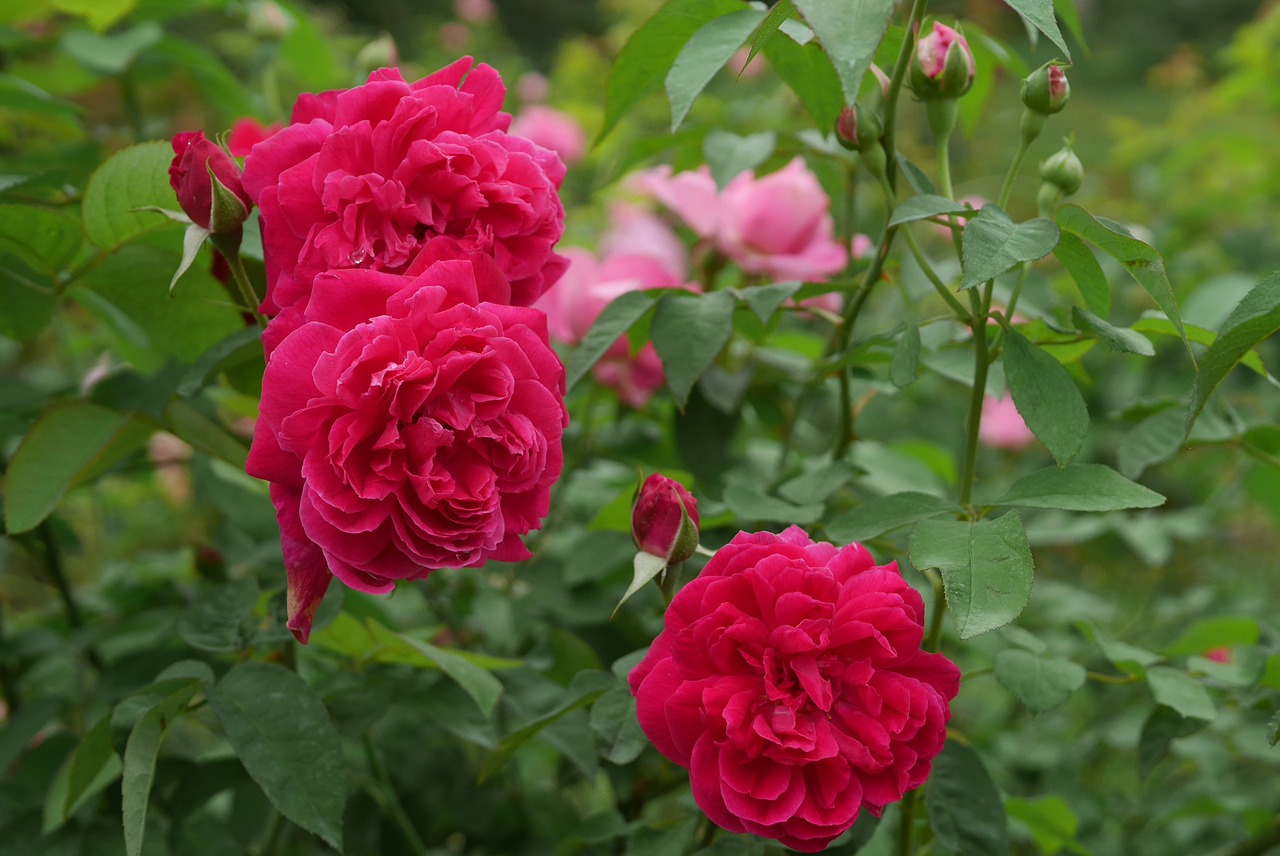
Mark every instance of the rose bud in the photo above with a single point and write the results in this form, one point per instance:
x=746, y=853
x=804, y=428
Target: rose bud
x=1063, y=170
x=664, y=520
x=1046, y=91
x=207, y=182
x=943, y=68
x=858, y=128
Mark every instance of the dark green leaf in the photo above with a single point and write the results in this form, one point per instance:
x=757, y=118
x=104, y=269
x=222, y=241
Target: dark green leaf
x=823, y=479
x=140, y=763
x=1125, y=657
x=1039, y=14
x=906, y=358
x=916, y=177
x=1120, y=339
x=584, y=690
x=925, y=205
x=748, y=502
x=877, y=516
x=644, y=61
x=729, y=154
x=1040, y=683
x=281, y=732
x=1079, y=487
x=243, y=343
x=986, y=567
x=616, y=729
x=807, y=70
x=1254, y=319
x=965, y=808
x=1066, y=10
x=90, y=757
x=1152, y=441
x=764, y=300
x=27, y=297
x=703, y=55
x=23, y=724
x=45, y=238
x=1178, y=690
x=216, y=622
x=477, y=682
x=68, y=444
x=1079, y=261
x=1162, y=727
x=688, y=331
x=1046, y=397
x=850, y=31
x=993, y=244
x=611, y=323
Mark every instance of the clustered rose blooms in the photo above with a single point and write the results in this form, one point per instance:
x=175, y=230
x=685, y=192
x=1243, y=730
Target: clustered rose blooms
x=363, y=177
x=790, y=681
x=410, y=422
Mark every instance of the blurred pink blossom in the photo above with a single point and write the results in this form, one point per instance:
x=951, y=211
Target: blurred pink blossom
x=739, y=67
x=973, y=201
x=1002, y=425
x=861, y=247
x=474, y=11
x=247, y=133
x=532, y=87
x=453, y=36
x=1219, y=655
x=635, y=231
x=552, y=129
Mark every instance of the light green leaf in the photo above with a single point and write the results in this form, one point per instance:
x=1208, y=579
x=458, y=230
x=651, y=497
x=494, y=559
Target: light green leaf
x=1178, y=690
x=69, y=444
x=807, y=70
x=964, y=805
x=646, y=58
x=478, y=683
x=1152, y=441
x=992, y=244
x=703, y=55
x=1079, y=261
x=781, y=12
x=1040, y=683
x=749, y=502
x=850, y=31
x=764, y=300
x=905, y=364
x=1255, y=318
x=1125, y=657
x=1120, y=339
x=729, y=154
x=985, y=565
x=140, y=763
x=1052, y=823
x=1221, y=632
x=688, y=331
x=281, y=732
x=1066, y=10
x=877, y=516
x=1039, y=14
x=926, y=205
x=646, y=566
x=1046, y=397
x=584, y=689
x=192, y=241
x=611, y=323
x=111, y=54
x=132, y=178
x=1079, y=487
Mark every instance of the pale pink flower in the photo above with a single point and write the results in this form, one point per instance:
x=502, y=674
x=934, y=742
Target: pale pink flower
x=552, y=129
x=475, y=11
x=532, y=87
x=1002, y=425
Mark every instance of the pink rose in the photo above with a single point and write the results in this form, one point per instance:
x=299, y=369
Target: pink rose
x=364, y=177
x=943, y=67
x=861, y=247
x=408, y=423
x=533, y=87
x=779, y=225
x=247, y=133
x=193, y=159
x=634, y=231
x=552, y=129
x=1002, y=426
x=475, y=11
x=664, y=519
x=789, y=680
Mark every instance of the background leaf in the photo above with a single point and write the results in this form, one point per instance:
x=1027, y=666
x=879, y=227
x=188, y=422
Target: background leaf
x=703, y=55
x=850, y=31
x=1040, y=683
x=965, y=808
x=1079, y=487
x=132, y=178
x=1046, y=397
x=688, y=331
x=1039, y=14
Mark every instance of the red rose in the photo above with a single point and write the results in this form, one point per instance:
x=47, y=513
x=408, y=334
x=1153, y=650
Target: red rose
x=789, y=680
x=407, y=424
x=189, y=177
x=364, y=176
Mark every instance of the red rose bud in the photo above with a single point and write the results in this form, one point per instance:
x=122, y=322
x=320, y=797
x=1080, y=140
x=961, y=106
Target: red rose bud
x=1046, y=91
x=858, y=128
x=943, y=68
x=207, y=182
x=664, y=520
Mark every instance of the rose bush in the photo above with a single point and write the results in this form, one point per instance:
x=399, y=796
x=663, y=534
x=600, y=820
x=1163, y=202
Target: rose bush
x=790, y=681
x=363, y=177
x=408, y=423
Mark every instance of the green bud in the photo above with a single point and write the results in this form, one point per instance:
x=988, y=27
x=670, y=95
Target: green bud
x=1046, y=90
x=1063, y=170
x=858, y=128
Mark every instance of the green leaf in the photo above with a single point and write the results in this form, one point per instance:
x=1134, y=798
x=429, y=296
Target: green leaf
x=1221, y=632
x=23, y=724
x=729, y=154
x=22, y=95
x=44, y=238
x=749, y=502
x=1052, y=823
x=617, y=731
x=27, y=297
x=1152, y=441
x=192, y=240
x=1142, y=262
x=281, y=732
x=1046, y=396
x=100, y=14
x=478, y=683
x=1120, y=339
x=585, y=688
x=1040, y=683
x=916, y=177
x=986, y=567
x=1162, y=727
x=1039, y=14
x=905, y=364
x=191, y=425
x=1079, y=487
x=703, y=55
x=823, y=478
x=140, y=763
x=992, y=244
x=1273, y=730
x=764, y=300
x=135, y=177
x=688, y=331
x=1255, y=318
x=216, y=622
x=850, y=32
x=1080, y=262
x=612, y=322
x=643, y=63
x=1066, y=10
x=964, y=805
x=91, y=756
x=111, y=54
x=924, y=206
x=877, y=516
x=1158, y=325
x=1178, y=690
x=1125, y=657
x=781, y=11
x=807, y=70
x=67, y=445
x=245, y=343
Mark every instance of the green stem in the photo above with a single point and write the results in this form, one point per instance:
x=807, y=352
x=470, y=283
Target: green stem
x=982, y=362
x=1007, y=188
x=247, y=293
x=391, y=802
x=275, y=836
x=53, y=562
x=1110, y=679
x=907, y=821
x=927, y=268
x=895, y=88
x=933, y=639
x=668, y=581
x=944, y=179
x=7, y=688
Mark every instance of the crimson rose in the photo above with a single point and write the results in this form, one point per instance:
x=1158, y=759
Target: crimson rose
x=363, y=177
x=408, y=423
x=789, y=680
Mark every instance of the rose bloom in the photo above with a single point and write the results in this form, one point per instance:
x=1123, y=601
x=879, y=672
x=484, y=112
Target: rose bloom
x=364, y=177
x=778, y=225
x=1002, y=426
x=789, y=680
x=410, y=422
x=552, y=129
x=247, y=133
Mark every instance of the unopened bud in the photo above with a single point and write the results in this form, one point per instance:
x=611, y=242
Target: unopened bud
x=1046, y=90
x=664, y=520
x=943, y=66
x=207, y=183
x=1063, y=170
x=858, y=128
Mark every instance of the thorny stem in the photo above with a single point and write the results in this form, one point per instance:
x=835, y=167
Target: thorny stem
x=895, y=87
